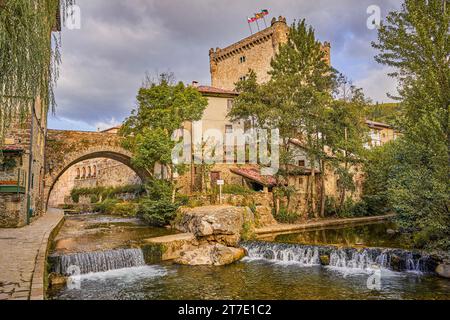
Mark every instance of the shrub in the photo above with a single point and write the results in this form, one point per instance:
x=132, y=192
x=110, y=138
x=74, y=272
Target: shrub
x=352, y=209
x=247, y=232
x=125, y=209
x=158, y=189
x=286, y=216
x=105, y=192
x=157, y=212
x=94, y=198
x=182, y=199
x=330, y=207
x=106, y=206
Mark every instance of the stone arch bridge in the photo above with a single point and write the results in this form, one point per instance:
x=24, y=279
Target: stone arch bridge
x=66, y=148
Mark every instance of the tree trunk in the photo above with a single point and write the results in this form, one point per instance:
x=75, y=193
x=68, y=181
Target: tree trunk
x=322, y=193
x=313, y=191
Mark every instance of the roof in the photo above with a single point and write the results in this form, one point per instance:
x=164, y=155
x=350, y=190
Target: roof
x=374, y=124
x=12, y=148
x=213, y=91
x=112, y=128
x=253, y=173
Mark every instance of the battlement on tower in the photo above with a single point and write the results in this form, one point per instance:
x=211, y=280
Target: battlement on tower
x=230, y=64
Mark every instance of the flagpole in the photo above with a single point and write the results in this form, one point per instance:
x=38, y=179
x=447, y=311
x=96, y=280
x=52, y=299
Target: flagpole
x=250, y=27
x=264, y=18
x=257, y=24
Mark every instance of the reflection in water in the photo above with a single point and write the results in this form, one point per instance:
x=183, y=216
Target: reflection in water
x=92, y=232
x=251, y=280
x=368, y=235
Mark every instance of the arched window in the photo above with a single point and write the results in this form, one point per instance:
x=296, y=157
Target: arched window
x=95, y=171
x=83, y=176
x=89, y=172
x=78, y=174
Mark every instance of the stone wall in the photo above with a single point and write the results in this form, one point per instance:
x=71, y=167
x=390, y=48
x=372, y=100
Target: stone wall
x=103, y=173
x=12, y=210
x=23, y=133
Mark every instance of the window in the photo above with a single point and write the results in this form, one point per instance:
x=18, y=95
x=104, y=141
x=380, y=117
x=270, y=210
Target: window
x=228, y=128
x=84, y=173
x=229, y=105
x=78, y=174
x=243, y=78
x=95, y=171
x=300, y=181
x=301, y=163
x=242, y=59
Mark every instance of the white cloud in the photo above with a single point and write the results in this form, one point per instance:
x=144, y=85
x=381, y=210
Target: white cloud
x=376, y=84
x=106, y=125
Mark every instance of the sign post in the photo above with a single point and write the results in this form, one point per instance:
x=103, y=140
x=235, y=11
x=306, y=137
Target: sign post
x=220, y=183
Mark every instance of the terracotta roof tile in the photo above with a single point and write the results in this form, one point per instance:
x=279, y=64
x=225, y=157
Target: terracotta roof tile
x=214, y=90
x=254, y=174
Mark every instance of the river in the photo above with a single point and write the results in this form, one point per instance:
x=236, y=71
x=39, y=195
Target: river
x=281, y=267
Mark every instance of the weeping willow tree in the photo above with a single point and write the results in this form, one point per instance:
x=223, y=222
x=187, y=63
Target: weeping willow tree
x=29, y=56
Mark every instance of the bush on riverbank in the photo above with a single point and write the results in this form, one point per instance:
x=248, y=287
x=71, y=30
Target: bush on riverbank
x=350, y=209
x=98, y=193
x=157, y=212
x=285, y=216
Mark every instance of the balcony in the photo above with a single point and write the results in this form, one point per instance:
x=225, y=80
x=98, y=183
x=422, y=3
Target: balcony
x=13, y=182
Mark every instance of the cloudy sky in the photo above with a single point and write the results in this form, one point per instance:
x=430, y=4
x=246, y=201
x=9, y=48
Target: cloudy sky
x=104, y=62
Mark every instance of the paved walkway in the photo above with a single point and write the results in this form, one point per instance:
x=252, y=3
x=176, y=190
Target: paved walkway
x=281, y=228
x=22, y=258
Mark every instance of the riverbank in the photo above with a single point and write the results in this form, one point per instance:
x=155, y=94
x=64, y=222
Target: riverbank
x=23, y=254
x=287, y=228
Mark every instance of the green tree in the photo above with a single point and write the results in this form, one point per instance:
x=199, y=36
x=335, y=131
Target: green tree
x=293, y=101
x=415, y=42
x=163, y=107
x=345, y=134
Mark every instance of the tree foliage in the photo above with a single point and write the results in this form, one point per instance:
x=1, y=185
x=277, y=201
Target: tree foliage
x=163, y=107
x=415, y=42
x=28, y=59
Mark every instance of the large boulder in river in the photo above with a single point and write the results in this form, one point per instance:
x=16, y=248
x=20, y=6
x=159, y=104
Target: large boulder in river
x=221, y=224
x=211, y=254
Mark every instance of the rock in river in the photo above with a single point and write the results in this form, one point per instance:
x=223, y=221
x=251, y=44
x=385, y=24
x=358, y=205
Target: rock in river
x=443, y=270
x=221, y=224
x=211, y=254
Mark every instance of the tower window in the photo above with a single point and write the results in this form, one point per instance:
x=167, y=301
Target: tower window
x=243, y=78
x=242, y=59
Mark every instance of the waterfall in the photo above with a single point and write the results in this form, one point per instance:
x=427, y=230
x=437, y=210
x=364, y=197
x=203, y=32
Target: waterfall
x=416, y=264
x=97, y=261
x=354, y=259
x=344, y=258
x=302, y=255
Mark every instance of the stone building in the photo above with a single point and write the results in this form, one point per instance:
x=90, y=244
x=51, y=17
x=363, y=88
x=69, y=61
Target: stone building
x=380, y=133
x=231, y=64
x=22, y=171
x=98, y=172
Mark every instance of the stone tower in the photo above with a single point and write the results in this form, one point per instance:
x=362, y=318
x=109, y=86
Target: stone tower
x=231, y=64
